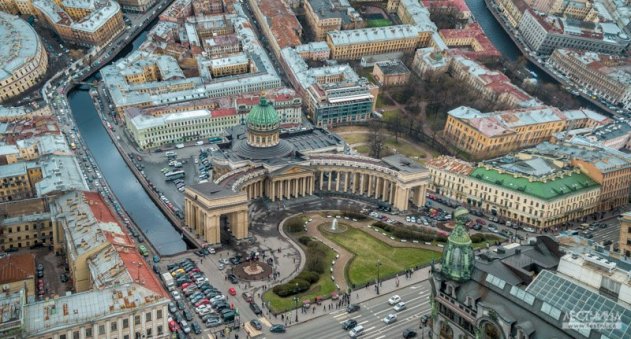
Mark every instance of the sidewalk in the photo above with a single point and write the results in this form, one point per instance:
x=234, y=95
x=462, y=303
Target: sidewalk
x=357, y=296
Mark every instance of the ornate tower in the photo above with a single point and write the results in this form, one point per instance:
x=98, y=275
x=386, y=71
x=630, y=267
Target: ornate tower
x=263, y=125
x=457, y=260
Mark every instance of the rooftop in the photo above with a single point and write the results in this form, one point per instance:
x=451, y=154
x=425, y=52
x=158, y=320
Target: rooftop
x=20, y=44
x=331, y=9
x=17, y=267
x=603, y=158
x=282, y=21
x=392, y=67
x=450, y=164
x=60, y=173
x=555, y=186
x=368, y=35
x=12, y=170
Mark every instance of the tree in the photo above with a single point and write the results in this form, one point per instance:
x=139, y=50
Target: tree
x=377, y=140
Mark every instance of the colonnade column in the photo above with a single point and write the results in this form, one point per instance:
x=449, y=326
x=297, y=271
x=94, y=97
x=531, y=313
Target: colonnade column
x=329, y=181
x=371, y=181
x=321, y=179
x=392, y=192
x=337, y=181
x=385, y=196
x=273, y=190
x=346, y=174
x=361, y=183
x=354, y=182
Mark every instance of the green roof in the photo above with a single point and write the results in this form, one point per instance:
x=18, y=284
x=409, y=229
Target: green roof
x=549, y=190
x=263, y=115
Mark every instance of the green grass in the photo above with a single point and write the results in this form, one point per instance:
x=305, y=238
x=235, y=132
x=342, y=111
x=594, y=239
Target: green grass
x=322, y=288
x=379, y=23
x=404, y=148
x=368, y=250
x=363, y=149
x=355, y=138
x=391, y=115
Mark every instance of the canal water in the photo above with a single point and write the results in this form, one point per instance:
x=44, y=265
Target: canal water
x=120, y=178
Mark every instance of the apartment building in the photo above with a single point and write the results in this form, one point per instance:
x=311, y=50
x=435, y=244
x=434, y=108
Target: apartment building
x=231, y=65
x=470, y=41
x=545, y=33
x=607, y=76
x=17, y=273
x=278, y=23
x=513, y=10
x=84, y=22
x=25, y=223
x=391, y=73
x=625, y=234
x=324, y=16
x=530, y=190
x=485, y=135
x=23, y=113
x=139, y=6
x=24, y=61
x=286, y=102
x=150, y=131
x=357, y=43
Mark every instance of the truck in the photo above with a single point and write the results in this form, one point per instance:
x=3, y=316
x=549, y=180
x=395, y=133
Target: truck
x=168, y=279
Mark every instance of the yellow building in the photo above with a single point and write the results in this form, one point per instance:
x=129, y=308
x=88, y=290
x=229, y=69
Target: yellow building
x=231, y=65
x=529, y=190
x=17, y=272
x=357, y=43
x=15, y=182
x=625, y=234
x=24, y=61
x=325, y=16
x=486, y=135
x=25, y=223
x=512, y=10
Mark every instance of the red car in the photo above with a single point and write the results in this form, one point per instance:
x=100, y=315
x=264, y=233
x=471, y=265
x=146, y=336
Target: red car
x=185, y=285
x=195, y=270
x=173, y=325
x=480, y=221
x=202, y=302
x=232, y=291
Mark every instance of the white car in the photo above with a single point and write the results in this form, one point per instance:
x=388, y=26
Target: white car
x=356, y=332
x=399, y=307
x=390, y=318
x=395, y=299
x=221, y=266
x=176, y=295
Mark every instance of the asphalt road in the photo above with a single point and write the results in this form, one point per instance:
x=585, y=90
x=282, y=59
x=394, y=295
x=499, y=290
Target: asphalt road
x=370, y=316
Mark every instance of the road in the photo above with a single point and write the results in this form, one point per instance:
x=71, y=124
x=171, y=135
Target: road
x=370, y=316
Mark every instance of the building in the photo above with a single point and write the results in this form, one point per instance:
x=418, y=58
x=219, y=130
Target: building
x=615, y=135
x=317, y=50
x=85, y=22
x=23, y=7
x=448, y=6
x=286, y=102
x=150, y=131
x=139, y=6
x=11, y=306
x=470, y=41
x=17, y=273
x=526, y=189
x=485, y=135
x=278, y=23
x=177, y=11
x=231, y=65
x=261, y=164
x=513, y=10
x=607, y=76
x=26, y=223
x=429, y=60
x=23, y=58
x=325, y=16
x=391, y=73
x=526, y=291
x=357, y=43
x=10, y=113
x=625, y=234
x=545, y=33
x=27, y=128
x=333, y=94
x=207, y=7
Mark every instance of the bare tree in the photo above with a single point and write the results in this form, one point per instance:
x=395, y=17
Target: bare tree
x=377, y=139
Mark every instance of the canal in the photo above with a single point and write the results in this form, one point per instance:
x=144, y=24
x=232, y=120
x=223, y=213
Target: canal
x=120, y=178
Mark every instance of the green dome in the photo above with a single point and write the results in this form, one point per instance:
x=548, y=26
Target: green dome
x=457, y=260
x=263, y=116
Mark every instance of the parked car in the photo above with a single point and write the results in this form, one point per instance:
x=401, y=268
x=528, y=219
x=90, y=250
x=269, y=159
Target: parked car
x=408, y=333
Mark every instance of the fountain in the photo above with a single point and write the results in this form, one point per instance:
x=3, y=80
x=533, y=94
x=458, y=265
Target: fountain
x=334, y=225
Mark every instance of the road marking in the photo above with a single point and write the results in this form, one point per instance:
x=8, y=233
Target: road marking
x=363, y=322
x=386, y=310
x=381, y=336
x=368, y=329
x=338, y=311
x=340, y=315
x=359, y=316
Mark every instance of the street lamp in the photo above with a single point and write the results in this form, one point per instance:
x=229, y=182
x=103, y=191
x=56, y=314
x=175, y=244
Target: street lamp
x=378, y=267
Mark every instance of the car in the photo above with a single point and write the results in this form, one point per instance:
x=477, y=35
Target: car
x=196, y=328
x=221, y=266
x=232, y=291
x=156, y=259
x=188, y=315
x=408, y=333
x=255, y=308
x=173, y=326
x=395, y=299
x=390, y=318
x=349, y=324
x=185, y=327
x=424, y=319
x=172, y=308
x=277, y=328
x=176, y=295
x=247, y=296
x=187, y=285
x=356, y=331
x=171, y=267
x=233, y=278
x=180, y=305
x=63, y=277
x=213, y=322
x=235, y=260
x=203, y=301
x=607, y=242
x=40, y=267
x=224, y=261
x=352, y=308
x=207, y=316
x=256, y=324
x=399, y=307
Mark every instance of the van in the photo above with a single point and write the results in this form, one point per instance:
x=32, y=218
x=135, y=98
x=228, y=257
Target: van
x=356, y=332
x=228, y=316
x=584, y=226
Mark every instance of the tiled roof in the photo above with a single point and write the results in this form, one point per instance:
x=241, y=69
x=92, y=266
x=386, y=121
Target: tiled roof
x=17, y=267
x=450, y=164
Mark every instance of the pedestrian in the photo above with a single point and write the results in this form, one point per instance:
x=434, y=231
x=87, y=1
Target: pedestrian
x=282, y=316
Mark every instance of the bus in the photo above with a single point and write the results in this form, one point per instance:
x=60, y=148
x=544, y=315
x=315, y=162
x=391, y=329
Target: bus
x=143, y=250
x=215, y=140
x=170, y=176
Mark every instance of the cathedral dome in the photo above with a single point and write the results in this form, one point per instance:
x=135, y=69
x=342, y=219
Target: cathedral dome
x=263, y=117
x=458, y=259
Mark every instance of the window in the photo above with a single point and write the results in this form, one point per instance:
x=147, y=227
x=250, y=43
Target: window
x=125, y=323
x=113, y=326
x=137, y=320
x=148, y=316
x=101, y=329
x=88, y=332
x=149, y=332
x=159, y=314
x=75, y=335
x=160, y=330
x=62, y=336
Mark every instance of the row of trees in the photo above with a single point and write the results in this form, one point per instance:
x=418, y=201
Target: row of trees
x=315, y=266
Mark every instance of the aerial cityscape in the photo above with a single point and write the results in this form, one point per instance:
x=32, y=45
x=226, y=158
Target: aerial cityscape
x=315, y=169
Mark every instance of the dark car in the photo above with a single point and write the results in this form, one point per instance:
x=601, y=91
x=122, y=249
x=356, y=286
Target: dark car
x=352, y=308
x=196, y=328
x=187, y=315
x=233, y=278
x=349, y=324
x=156, y=269
x=235, y=260
x=180, y=305
x=255, y=308
x=256, y=324
x=171, y=267
x=408, y=333
x=424, y=319
x=607, y=242
x=277, y=328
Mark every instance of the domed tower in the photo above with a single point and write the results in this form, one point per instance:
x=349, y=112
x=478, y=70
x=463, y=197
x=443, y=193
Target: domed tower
x=263, y=125
x=457, y=261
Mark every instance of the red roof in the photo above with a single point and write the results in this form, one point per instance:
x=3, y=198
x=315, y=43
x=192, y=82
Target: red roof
x=223, y=112
x=100, y=210
x=282, y=21
x=17, y=267
x=475, y=33
x=139, y=270
x=461, y=5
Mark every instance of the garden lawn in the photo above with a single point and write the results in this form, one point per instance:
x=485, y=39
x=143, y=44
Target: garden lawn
x=379, y=23
x=368, y=250
x=322, y=288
